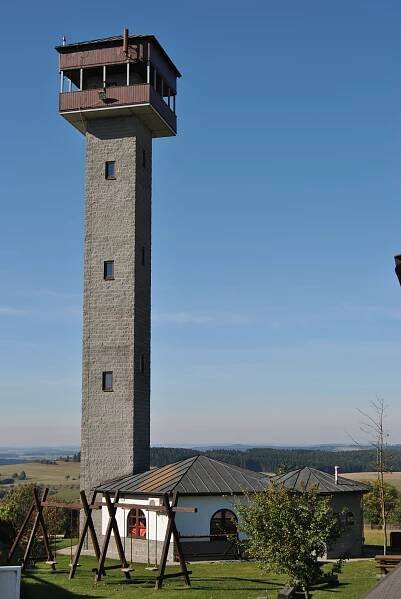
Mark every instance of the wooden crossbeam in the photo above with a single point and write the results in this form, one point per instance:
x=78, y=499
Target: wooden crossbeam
x=157, y=508
x=171, y=531
x=99, y=506
x=176, y=574
x=71, y=506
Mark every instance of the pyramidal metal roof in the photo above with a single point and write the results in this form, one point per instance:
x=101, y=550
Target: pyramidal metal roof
x=306, y=479
x=199, y=475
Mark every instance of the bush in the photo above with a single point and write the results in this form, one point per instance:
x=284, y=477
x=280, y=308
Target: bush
x=15, y=505
x=372, y=505
x=289, y=532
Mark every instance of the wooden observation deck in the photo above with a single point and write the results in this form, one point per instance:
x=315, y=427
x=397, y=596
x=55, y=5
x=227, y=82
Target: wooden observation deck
x=117, y=76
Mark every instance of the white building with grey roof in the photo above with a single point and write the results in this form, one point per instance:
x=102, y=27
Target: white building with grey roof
x=211, y=486
x=346, y=498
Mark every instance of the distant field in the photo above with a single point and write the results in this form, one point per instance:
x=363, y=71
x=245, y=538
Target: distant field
x=393, y=478
x=62, y=477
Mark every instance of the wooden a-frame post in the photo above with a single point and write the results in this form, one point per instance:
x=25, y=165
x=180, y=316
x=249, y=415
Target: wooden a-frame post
x=88, y=524
x=37, y=505
x=171, y=531
x=112, y=526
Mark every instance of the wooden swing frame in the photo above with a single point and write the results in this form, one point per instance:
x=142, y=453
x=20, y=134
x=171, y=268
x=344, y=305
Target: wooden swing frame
x=37, y=505
x=166, y=508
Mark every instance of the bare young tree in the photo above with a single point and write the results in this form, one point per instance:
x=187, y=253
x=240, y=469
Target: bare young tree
x=373, y=427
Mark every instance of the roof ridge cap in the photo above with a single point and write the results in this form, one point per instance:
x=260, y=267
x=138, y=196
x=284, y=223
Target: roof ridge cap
x=193, y=458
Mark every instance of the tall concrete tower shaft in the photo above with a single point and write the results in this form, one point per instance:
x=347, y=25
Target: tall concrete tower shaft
x=116, y=323
x=120, y=94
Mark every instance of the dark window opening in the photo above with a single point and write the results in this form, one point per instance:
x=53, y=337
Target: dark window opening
x=350, y=519
x=136, y=524
x=116, y=75
x=143, y=256
x=143, y=158
x=142, y=363
x=108, y=272
x=107, y=381
x=73, y=79
x=110, y=169
x=223, y=523
x=92, y=78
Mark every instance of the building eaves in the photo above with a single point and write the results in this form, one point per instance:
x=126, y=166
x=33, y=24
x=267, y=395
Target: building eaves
x=198, y=475
x=112, y=41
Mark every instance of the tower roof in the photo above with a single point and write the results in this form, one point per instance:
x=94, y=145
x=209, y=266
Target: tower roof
x=115, y=40
x=199, y=475
x=306, y=479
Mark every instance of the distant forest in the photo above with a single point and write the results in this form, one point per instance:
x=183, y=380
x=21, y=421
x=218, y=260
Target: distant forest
x=264, y=459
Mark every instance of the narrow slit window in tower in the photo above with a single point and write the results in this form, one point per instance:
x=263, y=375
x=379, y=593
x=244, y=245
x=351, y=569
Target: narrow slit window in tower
x=110, y=169
x=143, y=256
x=142, y=364
x=107, y=381
x=108, y=270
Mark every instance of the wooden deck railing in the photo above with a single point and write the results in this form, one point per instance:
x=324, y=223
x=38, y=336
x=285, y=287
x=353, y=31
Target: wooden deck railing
x=117, y=96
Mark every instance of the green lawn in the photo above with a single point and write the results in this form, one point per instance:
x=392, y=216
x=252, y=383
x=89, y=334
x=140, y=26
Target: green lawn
x=209, y=581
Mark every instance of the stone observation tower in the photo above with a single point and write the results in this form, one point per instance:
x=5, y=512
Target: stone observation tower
x=120, y=93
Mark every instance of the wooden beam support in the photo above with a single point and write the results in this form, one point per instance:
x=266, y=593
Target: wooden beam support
x=171, y=531
x=88, y=524
x=20, y=532
x=112, y=509
x=39, y=521
x=112, y=526
x=156, y=508
x=72, y=506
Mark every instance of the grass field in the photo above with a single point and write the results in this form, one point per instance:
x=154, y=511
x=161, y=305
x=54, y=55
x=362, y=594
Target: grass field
x=62, y=477
x=240, y=580
x=393, y=478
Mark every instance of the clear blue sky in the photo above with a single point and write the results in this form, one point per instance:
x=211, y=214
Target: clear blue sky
x=277, y=211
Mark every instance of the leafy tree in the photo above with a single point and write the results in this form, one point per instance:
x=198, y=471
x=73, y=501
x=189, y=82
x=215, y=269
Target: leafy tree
x=288, y=532
x=395, y=514
x=372, y=502
x=22, y=475
x=15, y=504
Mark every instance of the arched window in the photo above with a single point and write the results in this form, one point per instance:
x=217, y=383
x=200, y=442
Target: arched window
x=349, y=519
x=136, y=524
x=223, y=523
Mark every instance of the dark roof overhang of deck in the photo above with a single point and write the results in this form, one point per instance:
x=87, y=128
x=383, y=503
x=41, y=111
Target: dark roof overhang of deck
x=116, y=40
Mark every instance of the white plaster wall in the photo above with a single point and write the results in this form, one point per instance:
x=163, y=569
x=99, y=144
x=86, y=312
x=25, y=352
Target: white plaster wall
x=187, y=523
x=156, y=524
x=199, y=523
